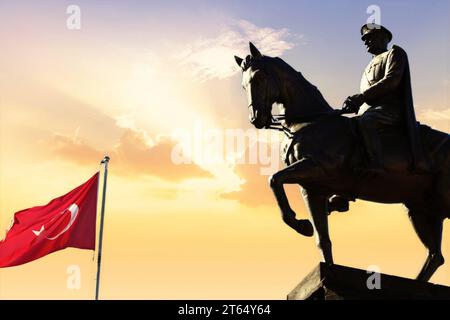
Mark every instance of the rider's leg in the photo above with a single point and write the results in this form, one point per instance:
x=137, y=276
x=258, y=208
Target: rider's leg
x=369, y=126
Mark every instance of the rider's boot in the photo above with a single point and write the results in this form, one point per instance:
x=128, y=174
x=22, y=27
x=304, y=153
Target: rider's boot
x=338, y=204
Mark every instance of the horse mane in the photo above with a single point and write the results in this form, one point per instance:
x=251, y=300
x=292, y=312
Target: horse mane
x=312, y=100
x=307, y=87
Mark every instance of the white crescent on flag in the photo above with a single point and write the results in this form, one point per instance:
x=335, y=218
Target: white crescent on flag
x=73, y=209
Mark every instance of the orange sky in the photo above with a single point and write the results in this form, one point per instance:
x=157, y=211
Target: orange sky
x=194, y=231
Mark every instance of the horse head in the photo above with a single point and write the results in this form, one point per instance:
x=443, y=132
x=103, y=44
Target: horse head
x=261, y=88
x=267, y=80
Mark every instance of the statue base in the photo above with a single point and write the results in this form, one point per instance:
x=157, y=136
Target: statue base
x=343, y=283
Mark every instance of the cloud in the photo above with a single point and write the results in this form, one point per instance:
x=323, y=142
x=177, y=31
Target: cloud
x=446, y=82
x=134, y=154
x=74, y=150
x=212, y=58
x=126, y=121
x=438, y=118
x=49, y=110
x=254, y=190
x=437, y=115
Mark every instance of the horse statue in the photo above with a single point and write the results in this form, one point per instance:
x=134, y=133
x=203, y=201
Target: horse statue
x=323, y=154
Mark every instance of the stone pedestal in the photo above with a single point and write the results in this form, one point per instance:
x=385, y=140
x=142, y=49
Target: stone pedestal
x=344, y=283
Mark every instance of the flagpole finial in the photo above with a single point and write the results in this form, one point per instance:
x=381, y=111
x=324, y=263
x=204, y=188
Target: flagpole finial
x=105, y=159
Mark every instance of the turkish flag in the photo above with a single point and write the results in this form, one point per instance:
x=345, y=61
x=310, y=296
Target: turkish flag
x=67, y=221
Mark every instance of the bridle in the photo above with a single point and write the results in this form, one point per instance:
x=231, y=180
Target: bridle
x=276, y=121
x=277, y=124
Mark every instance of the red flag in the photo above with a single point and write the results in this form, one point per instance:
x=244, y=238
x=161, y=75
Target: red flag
x=67, y=221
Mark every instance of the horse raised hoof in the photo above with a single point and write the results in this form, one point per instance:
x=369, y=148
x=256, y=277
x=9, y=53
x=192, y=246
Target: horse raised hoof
x=304, y=227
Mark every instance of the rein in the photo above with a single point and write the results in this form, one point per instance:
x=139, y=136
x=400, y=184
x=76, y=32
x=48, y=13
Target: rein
x=277, y=124
x=277, y=120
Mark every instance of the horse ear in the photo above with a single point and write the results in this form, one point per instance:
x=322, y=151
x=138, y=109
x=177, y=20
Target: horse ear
x=238, y=60
x=254, y=52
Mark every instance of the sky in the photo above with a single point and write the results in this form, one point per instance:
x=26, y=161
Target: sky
x=154, y=84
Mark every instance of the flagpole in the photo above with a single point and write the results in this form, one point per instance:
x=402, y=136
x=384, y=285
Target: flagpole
x=105, y=161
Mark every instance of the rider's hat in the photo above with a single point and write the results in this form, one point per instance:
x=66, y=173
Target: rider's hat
x=371, y=28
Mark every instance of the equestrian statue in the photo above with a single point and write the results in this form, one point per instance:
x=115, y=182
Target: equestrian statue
x=382, y=154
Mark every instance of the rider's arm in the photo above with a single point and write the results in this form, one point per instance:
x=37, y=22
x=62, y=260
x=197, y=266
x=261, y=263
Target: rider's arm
x=397, y=62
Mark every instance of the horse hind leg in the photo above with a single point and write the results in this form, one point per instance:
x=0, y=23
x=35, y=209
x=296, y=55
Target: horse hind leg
x=429, y=229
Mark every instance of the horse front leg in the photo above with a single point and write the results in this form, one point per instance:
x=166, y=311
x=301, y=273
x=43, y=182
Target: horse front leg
x=295, y=173
x=318, y=208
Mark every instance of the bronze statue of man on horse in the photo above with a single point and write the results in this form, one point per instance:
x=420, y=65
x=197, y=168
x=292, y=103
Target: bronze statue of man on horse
x=383, y=154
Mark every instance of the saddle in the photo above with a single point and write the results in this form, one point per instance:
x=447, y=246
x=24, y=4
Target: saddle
x=396, y=150
x=397, y=155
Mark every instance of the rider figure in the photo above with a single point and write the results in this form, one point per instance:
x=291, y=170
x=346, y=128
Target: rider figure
x=386, y=89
